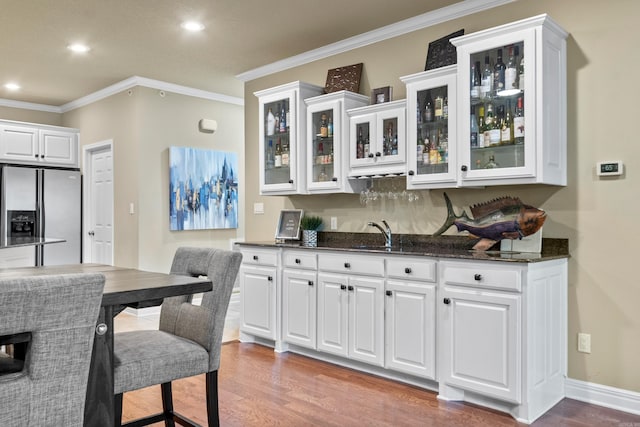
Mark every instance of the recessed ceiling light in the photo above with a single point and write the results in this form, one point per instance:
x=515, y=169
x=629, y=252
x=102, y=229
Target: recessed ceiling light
x=12, y=86
x=192, y=26
x=78, y=48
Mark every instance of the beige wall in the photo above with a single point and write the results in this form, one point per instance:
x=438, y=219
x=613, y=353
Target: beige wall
x=143, y=126
x=598, y=215
x=30, y=116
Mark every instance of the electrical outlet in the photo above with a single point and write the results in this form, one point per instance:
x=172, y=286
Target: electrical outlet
x=584, y=343
x=334, y=223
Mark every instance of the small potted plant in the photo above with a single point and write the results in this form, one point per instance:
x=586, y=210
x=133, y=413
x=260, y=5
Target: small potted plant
x=310, y=225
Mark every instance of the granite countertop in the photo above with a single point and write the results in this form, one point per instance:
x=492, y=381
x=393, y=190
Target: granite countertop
x=425, y=245
x=13, y=242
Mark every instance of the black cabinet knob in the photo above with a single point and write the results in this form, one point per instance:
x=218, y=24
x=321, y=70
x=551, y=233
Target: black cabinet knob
x=389, y=293
x=290, y=181
x=411, y=173
x=378, y=154
x=255, y=257
x=297, y=260
x=446, y=301
x=310, y=283
x=347, y=265
x=477, y=277
x=343, y=287
x=334, y=179
x=463, y=168
x=407, y=270
x=350, y=288
x=42, y=156
x=35, y=155
x=270, y=278
x=370, y=155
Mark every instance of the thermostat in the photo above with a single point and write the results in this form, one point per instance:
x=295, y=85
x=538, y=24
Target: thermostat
x=610, y=168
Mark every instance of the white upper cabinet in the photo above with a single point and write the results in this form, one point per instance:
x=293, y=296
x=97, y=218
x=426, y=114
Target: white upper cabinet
x=377, y=142
x=327, y=139
x=34, y=144
x=282, y=151
x=512, y=84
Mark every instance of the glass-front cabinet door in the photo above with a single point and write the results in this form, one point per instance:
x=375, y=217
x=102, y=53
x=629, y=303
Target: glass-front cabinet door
x=431, y=118
x=377, y=139
x=327, y=141
x=512, y=92
x=282, y=126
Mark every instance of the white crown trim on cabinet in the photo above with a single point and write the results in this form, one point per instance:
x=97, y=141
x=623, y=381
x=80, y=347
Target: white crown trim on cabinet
x=602, y=395
x=406, y=26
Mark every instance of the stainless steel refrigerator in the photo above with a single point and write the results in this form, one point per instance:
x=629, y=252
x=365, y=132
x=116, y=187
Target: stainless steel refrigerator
x=49, y=203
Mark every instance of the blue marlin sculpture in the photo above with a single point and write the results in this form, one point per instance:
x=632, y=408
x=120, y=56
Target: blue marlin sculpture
x=498, y=219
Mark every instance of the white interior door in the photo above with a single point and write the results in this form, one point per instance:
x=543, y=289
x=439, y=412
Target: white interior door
x=99, y=203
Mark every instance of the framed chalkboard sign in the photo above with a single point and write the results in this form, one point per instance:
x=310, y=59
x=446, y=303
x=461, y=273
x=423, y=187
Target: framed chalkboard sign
x=441, y=52
x=289, y=224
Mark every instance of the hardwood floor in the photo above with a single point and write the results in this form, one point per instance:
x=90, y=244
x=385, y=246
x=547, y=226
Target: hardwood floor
x=258, y=387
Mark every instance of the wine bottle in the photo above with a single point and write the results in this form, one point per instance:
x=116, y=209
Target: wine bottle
x=521, y=73
x=439, y=103
x=518, y=123
x=481, y=126
x=276, y=123
x=494, y=131
x=283, y=120
x=324, y=129
x=506, y=133
x=498, y=73
x=277, y=161
x=425, y=151
x=445, y=108
x=360, y=144
x=270, y=159
x=285, y=153
x=330, y=128
x=487, y=79
x=511, y=72
x=367, y=146
x=476, y=83
x=428, y=111
x=488, y=125
x=474, y=128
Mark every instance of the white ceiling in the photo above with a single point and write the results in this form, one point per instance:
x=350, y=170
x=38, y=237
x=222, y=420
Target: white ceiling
x=144, y=38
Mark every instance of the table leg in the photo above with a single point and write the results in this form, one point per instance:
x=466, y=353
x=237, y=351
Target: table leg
x=99, y=405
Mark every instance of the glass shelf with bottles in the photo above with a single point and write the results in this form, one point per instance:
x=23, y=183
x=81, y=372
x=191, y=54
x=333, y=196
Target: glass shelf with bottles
x=497, y=107
x=277, y=142
x=322, y=146
x=432, y=131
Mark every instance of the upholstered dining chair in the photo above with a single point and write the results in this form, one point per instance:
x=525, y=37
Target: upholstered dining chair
x=188, y=341
x=56, y=316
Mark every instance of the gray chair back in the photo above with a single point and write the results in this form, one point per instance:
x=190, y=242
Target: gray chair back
x=60, y=313
x=203, y=324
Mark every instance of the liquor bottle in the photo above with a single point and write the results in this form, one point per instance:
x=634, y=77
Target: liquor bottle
x=322, y=177
x=506, y=133
x=474, y=128
x=439, y=104
x=330, y=128
x=324, y=129
x=487, y=79
x=491, y=164
x=488, y=124
x=521, y=73
x=511, y=72
x=285, y=153
x=360, y=144
x=476, y=83
x=481, y=126
x=367, y=146
x=269, y=156
x=445, y=109
x=288, y=118
x=283, y=120
x=276, y=124
x=418, y=112
x=498, y=73
x=425, y=151
x=428, y=111
x=271, y=123
x=277, y=160
x=388, y=148
x=494, y=131
x=518, y=123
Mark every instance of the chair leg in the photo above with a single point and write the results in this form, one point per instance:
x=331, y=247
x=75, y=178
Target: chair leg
x=213, y=416
x=167, y=404
x=117, y=409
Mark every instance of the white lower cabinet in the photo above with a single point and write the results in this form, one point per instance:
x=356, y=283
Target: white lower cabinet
x=410, y=316
x=258, y=293
x=299, y=298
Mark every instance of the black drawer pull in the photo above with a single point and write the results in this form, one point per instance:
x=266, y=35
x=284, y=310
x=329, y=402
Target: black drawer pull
x=447, y=301
x=477, y=277
x=411, y=173
x=407, y=270
x=350, y=288
x=297, y=260
x=255, y=257
x=343, y=287
x=347, y=265
x=310, y=283
x=389, y=293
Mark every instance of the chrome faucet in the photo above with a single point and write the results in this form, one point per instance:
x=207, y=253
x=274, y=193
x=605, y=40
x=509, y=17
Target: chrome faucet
x=386, y=233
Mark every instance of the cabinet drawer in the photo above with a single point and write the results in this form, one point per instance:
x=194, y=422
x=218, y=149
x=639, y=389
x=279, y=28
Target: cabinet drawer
x=481, y=275
x=300, y=259
x=406, y=268
x=349, y=263
x=254, y=256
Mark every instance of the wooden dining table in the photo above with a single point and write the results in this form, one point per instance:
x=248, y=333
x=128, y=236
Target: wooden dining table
x=124, y=287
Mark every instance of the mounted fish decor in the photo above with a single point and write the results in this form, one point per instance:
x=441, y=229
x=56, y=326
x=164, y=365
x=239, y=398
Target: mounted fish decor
x=498, y=219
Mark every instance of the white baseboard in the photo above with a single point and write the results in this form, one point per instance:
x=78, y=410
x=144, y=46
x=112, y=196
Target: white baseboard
x=602, y=395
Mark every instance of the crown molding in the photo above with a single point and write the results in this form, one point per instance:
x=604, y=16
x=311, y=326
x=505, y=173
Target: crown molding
x=29, y=106
x=458, y=10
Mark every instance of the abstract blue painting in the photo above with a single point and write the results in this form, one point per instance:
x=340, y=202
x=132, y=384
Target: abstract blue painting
x=203, y=189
